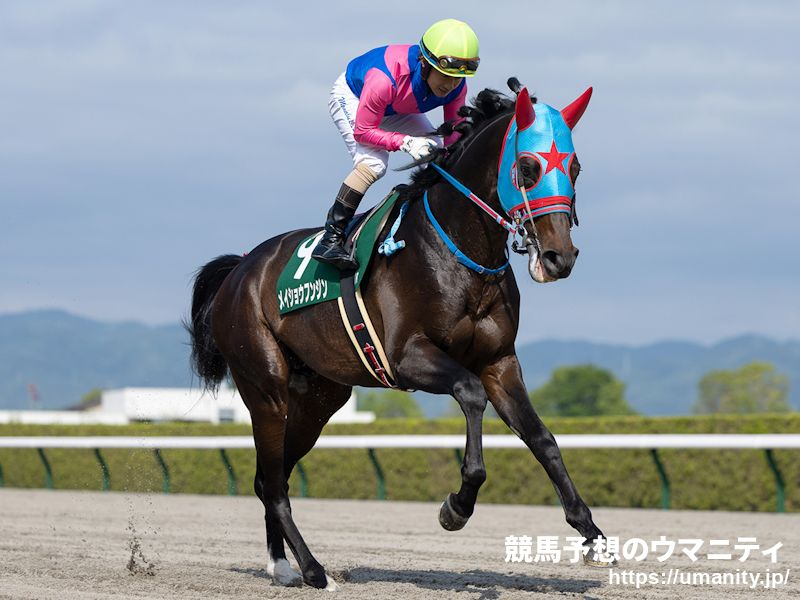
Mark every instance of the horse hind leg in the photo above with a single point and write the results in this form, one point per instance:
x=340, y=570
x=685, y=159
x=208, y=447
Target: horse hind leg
x=267, y=404
x=278, y=566
x=305, y=419
x=313, y=400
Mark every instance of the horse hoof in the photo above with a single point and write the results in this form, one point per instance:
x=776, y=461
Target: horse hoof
x=332, y=585
x=283, y=574
x=327, y=583
x=602, y=560
x=317, y=577
x=449, y=518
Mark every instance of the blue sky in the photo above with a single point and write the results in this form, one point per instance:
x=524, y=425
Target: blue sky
x=141, y=139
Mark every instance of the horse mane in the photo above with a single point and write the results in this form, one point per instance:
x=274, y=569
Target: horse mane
x=482, y=110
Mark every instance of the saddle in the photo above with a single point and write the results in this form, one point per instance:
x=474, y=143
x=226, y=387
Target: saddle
x=305, y=282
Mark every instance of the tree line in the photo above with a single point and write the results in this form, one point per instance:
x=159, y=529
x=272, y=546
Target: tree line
x=588, y=390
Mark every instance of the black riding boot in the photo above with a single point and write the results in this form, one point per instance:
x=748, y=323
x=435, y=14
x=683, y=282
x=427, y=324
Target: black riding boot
x=330, y=248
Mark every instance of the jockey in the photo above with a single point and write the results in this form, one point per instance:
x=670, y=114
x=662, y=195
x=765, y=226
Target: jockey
x=378, y=104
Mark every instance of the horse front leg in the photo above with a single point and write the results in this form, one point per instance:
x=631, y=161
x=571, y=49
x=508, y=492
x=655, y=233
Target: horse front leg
x=427, y=368
x=507, y=393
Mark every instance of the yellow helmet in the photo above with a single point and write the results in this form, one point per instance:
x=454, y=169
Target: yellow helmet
x=451, y=47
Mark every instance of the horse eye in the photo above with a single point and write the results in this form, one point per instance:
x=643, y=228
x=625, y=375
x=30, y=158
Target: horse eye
x=531, y=171
x=575, y=169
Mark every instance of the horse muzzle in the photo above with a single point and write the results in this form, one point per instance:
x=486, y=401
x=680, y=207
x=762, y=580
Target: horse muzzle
x=550, y=265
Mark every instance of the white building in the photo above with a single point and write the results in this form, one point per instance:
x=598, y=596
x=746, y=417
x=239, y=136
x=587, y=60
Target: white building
x=175, y=404
x=61, y=417
x=126, y=405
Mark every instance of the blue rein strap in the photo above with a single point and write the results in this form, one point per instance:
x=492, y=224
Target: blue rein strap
x=460, y=256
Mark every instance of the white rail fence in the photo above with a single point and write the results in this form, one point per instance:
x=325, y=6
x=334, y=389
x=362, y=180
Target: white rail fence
x=651, y=442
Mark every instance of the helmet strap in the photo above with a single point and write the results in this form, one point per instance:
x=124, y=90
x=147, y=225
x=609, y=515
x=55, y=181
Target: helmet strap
x=425, y=67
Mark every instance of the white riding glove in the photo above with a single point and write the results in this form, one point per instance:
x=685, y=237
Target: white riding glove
x=418, y=147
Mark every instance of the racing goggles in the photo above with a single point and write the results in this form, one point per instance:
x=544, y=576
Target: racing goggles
x=451, y=65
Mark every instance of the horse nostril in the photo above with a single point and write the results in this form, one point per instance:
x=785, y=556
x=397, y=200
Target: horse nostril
x=553, y=261
x=557, y=265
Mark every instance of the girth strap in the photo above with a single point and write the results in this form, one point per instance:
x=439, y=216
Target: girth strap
x=362, y=334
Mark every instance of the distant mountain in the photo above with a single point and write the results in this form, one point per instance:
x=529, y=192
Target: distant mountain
x=66, y=356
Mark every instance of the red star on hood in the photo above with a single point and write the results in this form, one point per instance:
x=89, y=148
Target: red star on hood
x=554, y=158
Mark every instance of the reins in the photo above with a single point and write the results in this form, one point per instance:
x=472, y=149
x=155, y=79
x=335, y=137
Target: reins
x=462, y=258
x=510, y=227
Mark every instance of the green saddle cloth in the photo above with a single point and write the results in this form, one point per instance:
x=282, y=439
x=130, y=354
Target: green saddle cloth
x=305, y=281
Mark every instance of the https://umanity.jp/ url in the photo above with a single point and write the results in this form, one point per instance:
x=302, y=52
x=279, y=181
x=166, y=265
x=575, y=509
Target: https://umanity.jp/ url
x=767, y=579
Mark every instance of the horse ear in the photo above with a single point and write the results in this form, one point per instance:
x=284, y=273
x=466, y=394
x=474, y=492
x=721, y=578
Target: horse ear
x=524, y=111
x=573, y=113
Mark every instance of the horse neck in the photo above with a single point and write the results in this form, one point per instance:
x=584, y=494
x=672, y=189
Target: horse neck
x=472, y=229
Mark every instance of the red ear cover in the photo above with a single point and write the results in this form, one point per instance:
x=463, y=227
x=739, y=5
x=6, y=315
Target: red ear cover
x=573, y=113
x=524, y=111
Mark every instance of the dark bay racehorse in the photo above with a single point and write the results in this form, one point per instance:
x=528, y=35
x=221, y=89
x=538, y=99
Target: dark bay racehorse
x=446, y=329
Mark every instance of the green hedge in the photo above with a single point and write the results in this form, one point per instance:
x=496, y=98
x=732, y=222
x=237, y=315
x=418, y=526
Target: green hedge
x=701, y=479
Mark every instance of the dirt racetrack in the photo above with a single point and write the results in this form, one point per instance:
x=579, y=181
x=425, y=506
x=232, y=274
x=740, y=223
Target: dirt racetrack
x=89, y=545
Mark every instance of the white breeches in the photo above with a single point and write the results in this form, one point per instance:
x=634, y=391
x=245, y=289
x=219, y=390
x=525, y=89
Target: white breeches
x=343, y=105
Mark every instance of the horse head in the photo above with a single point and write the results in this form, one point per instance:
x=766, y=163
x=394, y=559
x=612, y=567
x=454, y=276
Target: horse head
x=536, y=177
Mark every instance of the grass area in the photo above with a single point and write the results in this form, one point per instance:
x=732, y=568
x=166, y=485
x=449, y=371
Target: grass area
x=701, y=479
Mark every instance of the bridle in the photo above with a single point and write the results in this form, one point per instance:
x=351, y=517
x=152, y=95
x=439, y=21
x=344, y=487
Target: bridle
x=512, y=224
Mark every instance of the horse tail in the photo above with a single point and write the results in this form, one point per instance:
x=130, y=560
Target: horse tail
x=207, y=360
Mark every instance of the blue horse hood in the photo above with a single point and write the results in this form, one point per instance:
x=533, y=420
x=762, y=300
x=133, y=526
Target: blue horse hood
x=548, y=140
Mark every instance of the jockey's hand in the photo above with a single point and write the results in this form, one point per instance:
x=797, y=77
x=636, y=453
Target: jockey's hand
x=418, y=147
